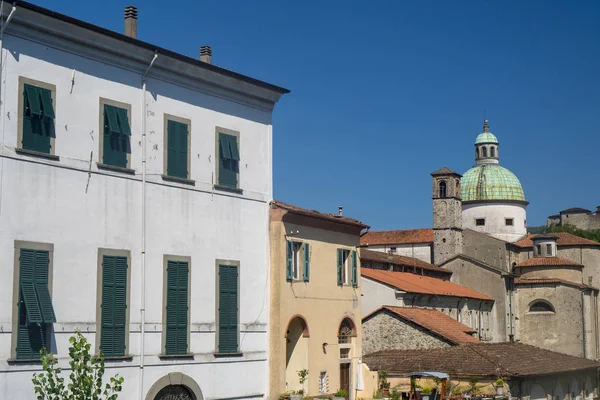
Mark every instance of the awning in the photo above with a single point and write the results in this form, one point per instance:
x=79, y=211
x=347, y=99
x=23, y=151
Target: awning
x=440, y=375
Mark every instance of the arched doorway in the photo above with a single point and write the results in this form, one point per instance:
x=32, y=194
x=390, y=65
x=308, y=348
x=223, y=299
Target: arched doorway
x=174, y=392
x=346, y=336
x=296, y=352
x=175, y=386
x=537, y=393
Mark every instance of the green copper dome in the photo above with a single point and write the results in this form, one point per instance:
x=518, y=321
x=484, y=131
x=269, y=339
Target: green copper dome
x=490, y=182
x=486, y=136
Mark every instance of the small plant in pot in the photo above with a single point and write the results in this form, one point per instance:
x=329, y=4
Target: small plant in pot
x=302, y=376
x=499, y=387
x=384, y=385
x=340, y=395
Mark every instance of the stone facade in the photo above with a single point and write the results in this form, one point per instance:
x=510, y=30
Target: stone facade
x=447, y=215
x=578, y=217
x=384, y=331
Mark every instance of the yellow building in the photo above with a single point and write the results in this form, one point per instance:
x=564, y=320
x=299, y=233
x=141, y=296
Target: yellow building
x=315, y=317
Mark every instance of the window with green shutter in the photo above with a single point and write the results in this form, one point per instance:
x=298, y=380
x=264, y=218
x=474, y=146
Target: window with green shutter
x=177, y=149
x=228, y=309
x=116, y=139
x=229, y=158
x=114, y=306
x=38, y=119
x=354, y=276
x=35, y=309
x=177, y=308
x=306, y=274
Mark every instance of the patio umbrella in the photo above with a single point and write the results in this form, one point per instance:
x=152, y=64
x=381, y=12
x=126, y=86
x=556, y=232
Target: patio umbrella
x=360, y=382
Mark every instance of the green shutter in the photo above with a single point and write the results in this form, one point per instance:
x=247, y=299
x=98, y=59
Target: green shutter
x=114, y=305
x=228, y=309
x=340, y=261
x=112, y=118
x=123, y=121
x=354, y=269
x=46, y=97
x=228, y=160
x=116, y=145
x=289, y=270
x=33, y=99
x=224, y=146
x=306, y=273
x=233, y=147
x=35, y=305
x=177, y=308
x=177, y=149
x=37, y=130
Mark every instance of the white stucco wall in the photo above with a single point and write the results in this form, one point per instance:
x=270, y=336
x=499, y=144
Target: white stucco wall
x=51, y=202
x=495, y=215
x=421, y=251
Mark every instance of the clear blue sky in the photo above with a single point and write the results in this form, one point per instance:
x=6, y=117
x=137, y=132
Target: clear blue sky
x=385, y=92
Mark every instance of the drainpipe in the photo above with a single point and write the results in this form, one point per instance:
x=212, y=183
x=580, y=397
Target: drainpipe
x=143, y=267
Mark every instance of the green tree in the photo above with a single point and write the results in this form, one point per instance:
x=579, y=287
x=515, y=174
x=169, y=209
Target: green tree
x=85, y=379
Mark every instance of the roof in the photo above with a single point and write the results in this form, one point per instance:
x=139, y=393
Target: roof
x=546, y=261
x=480, y=360
x=316, y=214
x=444, y=171
x=489, y=182
x=413, y=283
x=370, y=255
x=434, y=321
x=545, y=281
x=410, y=236
x=149, y=46
x=564, y=239
x=575, y=210
x=486, y=136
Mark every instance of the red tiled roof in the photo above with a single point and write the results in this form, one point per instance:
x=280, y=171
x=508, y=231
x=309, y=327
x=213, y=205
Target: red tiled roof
x=541, y=281
x=411, y=236
x=316, y=214
x=378, y=256
x=434, y=321
x=413, y=283
x=480, y=359
x=564, y=239
x=543, y=261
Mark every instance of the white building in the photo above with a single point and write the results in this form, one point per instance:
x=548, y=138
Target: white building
x=121, y=157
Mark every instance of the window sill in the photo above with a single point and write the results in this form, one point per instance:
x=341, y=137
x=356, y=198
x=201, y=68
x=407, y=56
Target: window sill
x=107, y=167
x=228, y=189
x=176, y=356
x=17, y=361
x=37, y=154
x=118, y=358
x=223, y=355
x=178, y=180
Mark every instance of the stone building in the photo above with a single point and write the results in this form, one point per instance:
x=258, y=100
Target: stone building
x=578, y=217
x=134, y=207
x=315, y=306
x=415, y=243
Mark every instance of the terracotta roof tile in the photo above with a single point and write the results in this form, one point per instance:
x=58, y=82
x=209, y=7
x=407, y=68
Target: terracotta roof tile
x=480, y=359
x=543, y=261
x=411, y=236
x=316, y=214
x=541, y=281
x=413, y=283
x=564, y=239
x=370, y=255
x=434, y=321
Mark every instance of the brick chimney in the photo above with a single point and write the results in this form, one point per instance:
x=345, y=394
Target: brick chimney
x=206, y=54
x=131, y=21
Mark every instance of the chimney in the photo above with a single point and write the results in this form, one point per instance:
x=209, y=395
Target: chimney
x=131, y=21
x=205, y=54
x=340, y=211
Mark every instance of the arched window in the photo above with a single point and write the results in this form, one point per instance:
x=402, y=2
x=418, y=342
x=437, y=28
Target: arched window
x=484, y=152
x=541, y=306
x=476, y=152
x=346, y=331
x=492, y=151
x=442, y=189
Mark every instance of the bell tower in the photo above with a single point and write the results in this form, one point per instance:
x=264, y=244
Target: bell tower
x=447, y=215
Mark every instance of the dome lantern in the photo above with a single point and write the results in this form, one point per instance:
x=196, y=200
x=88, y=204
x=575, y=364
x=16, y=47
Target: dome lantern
x=486, y=146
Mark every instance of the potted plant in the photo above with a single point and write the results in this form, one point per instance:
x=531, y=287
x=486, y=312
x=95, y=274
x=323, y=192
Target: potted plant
x=384, y=385
x=340, y=395
x=299, y=394
x=499, y=387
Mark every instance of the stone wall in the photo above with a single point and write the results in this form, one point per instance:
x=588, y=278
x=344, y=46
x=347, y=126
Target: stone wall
x=487, y=249
x=384, y=331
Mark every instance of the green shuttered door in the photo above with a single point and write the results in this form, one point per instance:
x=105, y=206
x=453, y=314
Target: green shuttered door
x=354, y=269
x=177, y=307
x=35, y=304
x=38, y=119
x=229, y=158
x=306, y=274
x=116, y=137
x=340, y=266
x=228, y=309
x=177, y=149
x=114, y=305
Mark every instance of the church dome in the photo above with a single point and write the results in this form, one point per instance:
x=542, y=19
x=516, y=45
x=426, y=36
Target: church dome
x=490, y=182
x=486, y=137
